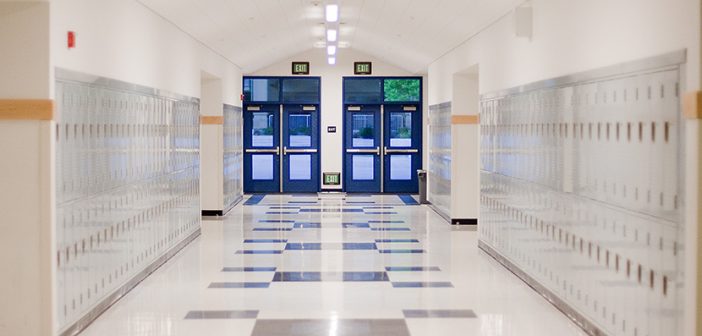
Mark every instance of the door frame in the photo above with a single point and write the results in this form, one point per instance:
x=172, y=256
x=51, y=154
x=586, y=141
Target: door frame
x=316, y=163
x=281, y=103
x=382, y=104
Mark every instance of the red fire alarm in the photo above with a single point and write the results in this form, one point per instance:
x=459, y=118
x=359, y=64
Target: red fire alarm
x=71, y=40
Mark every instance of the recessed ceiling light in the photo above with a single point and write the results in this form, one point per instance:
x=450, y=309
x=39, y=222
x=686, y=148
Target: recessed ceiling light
x=332, y=60
x=331, y=50
x=332, y=13
x=331, y=35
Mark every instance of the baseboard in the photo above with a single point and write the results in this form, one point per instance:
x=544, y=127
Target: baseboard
x=557, y=302
x=120, y=292
x=438, y=212
x=212, y=213
x=464, y=221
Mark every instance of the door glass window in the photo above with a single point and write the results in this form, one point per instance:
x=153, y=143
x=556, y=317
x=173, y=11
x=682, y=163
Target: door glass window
x=363, y=167
x=262, y=131
x=300, y=130
x=363, y=130
x=300, y=167
x=262, y=167
x=261, y=89
x=363, y=91
x=301, y=90
x=401, y=167
x=401, y=129
x=402, y=90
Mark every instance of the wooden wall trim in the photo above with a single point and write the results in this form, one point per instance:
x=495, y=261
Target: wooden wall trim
x=465, y=120
x=211, y=120
x=692, y=105
x=26, y=109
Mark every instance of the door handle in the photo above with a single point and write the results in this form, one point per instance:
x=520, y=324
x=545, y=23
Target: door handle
x=275, y=151
x=387, y=151
x=294, y=151
x=375, y=151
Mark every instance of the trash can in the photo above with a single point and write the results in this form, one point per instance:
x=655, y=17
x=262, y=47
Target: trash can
x=422, y=177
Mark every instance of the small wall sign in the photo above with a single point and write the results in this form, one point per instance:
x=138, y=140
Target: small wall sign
x=362, y=68
x=331, y=129
x=332, y=178
x=300, y=68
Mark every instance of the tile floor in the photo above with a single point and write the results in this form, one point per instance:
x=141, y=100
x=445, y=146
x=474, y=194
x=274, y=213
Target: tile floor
x=367, y=265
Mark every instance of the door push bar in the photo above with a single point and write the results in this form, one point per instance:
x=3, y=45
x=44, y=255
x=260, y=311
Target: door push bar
x=387, y=151
x=375, y=151
x=276, y=151
x=295, y=151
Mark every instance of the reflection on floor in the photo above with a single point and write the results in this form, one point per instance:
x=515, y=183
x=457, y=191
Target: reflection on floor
x=366, y=265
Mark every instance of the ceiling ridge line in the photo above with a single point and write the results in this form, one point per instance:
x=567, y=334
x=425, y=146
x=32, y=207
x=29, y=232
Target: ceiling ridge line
x=480, y=31
x=207, y=46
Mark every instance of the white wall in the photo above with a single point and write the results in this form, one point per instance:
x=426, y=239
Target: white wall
x=331, y=114
x=211, y=146
x=124, y=40
x=573, y=36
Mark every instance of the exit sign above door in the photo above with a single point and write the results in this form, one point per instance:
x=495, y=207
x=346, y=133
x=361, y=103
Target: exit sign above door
x=362, y=68
x=300, y=68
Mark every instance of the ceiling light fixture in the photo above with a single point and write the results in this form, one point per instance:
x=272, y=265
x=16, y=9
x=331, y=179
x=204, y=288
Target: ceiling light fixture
x=331, y=50
x=332, y=13
x=331, y=35
x=332, y=60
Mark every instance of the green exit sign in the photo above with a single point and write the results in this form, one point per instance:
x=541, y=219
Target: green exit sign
x=332, y=178
x=362, y=68
x=300, y=68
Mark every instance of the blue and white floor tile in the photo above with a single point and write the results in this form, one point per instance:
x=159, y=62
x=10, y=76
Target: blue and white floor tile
x=367, y=265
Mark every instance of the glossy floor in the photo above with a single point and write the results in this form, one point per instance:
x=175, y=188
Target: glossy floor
x=366, y=265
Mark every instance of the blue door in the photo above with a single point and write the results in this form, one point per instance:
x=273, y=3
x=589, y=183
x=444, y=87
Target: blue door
x=402, y=143
x=362, y=146
x=301, y=148
x=262, y=149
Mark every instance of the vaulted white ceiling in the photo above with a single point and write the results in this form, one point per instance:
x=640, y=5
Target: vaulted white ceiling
x=256, y=33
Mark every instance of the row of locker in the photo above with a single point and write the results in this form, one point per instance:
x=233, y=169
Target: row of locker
x=580, y=189
x=439, y=165
x=127, y=181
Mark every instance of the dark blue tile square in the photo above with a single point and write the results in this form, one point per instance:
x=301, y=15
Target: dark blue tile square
x=359, y=246
x=380, y=213
x=250, y=241
x=303, y=246
x=239, y=285
x=272, y=229
x=281, y=213
x=365, y=276
x=401, y=251
x=355, y=225
x=297, y=276
x=307, y=226
x=386, y=221
x=276, y=221
x=413, y=269
x=259, y=252
x=397, y=240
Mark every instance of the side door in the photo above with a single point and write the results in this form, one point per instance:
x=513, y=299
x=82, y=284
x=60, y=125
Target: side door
x=362, y=148
x=262, y=148
x=402, y=147
x=301, y=149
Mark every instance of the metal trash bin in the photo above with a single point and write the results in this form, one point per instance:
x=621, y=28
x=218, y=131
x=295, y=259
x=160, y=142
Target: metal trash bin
x=422, y=177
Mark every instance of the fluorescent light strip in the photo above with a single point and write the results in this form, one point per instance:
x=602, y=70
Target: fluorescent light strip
x=331, y=50
x=332, y=13
x=332, y=60
x=331, y=35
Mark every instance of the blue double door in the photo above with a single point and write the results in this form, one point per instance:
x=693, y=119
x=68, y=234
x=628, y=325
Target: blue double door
x=382, y=148
x=281, y=148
